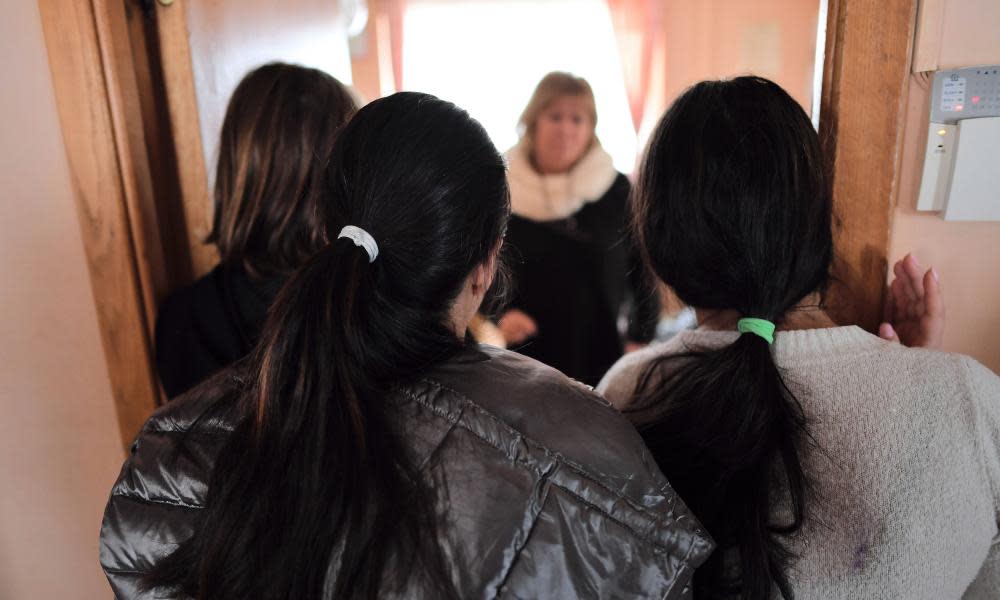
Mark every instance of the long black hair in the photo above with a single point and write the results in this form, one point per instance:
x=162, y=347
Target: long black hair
x=314, y=494
x=733, y=210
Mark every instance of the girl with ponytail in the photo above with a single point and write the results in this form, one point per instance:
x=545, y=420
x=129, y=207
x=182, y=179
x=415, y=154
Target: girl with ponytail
x=825, y=462
x=368, y=448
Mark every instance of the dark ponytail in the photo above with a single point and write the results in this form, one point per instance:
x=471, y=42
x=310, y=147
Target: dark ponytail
x=315, y=495
x=733, y=212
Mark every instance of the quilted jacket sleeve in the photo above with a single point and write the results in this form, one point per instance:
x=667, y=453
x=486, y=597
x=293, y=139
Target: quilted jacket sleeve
x=156, y=499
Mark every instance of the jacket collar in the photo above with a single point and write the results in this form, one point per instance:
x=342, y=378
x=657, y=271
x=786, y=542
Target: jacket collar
x=550, y=197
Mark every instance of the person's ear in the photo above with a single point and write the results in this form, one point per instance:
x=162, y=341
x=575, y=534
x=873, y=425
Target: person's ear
x=483, y=275
x=490, y=266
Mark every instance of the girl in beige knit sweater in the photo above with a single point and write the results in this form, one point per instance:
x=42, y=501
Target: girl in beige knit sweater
x=826, y=462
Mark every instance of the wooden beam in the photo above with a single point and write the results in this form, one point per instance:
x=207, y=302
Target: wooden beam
x=182, y=105
x=104, y=173
x=868, y=51
x=163, y=165
x=130, y=143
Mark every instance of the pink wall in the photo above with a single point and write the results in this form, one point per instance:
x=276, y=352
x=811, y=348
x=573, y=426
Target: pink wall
x=711, y=39
x=60, y=449
x=967, y=255
x=951, y=33
x=956, y=33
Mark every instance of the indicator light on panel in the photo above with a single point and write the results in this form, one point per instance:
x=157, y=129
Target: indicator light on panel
x=975, y=99
x=942, y=132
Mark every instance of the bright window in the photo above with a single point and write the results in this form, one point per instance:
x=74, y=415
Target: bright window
x=488, y=55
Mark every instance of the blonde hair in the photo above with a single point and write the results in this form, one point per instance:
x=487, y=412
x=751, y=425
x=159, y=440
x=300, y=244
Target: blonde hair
x=553, y=86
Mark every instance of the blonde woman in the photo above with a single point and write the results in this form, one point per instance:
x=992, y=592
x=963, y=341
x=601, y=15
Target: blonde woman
x=575, y=273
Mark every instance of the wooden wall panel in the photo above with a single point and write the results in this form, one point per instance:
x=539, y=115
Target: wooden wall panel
x=861, y=125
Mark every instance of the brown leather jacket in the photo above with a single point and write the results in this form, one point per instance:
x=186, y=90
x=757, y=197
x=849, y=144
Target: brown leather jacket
x=550, y=492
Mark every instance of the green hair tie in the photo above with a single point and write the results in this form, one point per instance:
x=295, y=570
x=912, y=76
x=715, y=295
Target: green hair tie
x=761, y=327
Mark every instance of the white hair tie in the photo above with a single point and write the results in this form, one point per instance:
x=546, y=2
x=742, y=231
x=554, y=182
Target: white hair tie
x=361, y=238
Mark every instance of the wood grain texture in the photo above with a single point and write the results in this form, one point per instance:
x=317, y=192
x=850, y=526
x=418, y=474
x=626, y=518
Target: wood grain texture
x=96, y=166
x=186, y=140
x=163, y=164
x=130, y=143
x=865, y=81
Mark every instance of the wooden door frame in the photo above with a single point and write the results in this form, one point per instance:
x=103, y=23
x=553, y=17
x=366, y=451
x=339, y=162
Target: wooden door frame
x=119, y=82
x=96, y=98
x=869, y=47
x=173, y=55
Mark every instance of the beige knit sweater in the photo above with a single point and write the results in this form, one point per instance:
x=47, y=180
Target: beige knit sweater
x=911, y=485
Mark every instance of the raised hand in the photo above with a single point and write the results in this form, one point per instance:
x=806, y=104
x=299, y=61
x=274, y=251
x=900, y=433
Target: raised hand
x=516, y=327
x=914, y=307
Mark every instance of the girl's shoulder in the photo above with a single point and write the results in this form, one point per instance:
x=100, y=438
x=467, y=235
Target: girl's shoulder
x=619, y=384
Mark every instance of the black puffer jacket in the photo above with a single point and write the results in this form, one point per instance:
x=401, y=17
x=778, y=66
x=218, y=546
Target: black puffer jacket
x=576, y=277
x=550, y=492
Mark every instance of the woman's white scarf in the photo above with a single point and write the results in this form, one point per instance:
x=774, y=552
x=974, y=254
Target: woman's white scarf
x=550, y=197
